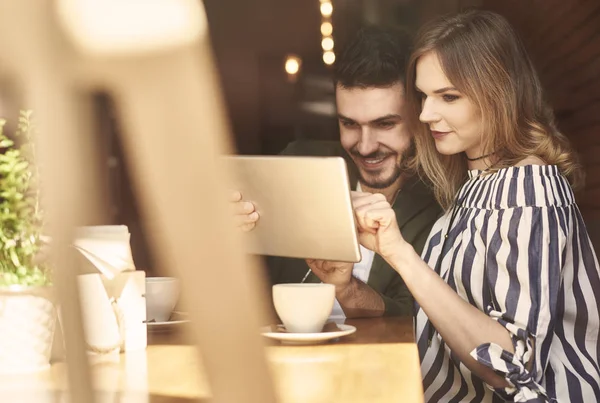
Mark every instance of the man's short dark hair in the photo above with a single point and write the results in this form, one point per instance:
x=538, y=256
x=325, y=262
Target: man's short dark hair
x=375, y=57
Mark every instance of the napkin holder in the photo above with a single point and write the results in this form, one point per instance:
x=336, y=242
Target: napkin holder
x=112, y=292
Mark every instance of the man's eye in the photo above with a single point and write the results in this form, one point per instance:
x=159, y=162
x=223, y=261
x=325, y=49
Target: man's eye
x=386, y=125
x=348, y=124
x=450, y=98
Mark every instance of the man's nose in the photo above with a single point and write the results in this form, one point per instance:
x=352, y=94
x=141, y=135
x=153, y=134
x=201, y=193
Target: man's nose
x=368, y=143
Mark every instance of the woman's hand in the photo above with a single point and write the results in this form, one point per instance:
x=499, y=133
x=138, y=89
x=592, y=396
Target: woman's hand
x=377, y=226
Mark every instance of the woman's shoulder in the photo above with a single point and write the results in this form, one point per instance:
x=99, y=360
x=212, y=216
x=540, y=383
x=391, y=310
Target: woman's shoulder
x=531, y=160
x=530, y=183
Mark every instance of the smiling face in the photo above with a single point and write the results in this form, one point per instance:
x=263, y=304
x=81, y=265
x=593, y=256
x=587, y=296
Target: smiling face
x=373, y=132
x=454, y=120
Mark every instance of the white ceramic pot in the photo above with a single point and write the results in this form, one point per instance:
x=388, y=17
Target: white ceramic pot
x=27, y=324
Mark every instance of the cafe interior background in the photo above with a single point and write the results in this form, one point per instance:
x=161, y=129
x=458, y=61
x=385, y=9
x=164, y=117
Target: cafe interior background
x=268, y=107
x=274, y=62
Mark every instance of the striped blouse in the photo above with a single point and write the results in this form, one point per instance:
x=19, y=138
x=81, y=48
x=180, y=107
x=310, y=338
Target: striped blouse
x=519, y=251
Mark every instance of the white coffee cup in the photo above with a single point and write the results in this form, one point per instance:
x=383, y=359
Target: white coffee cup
x=162, y=294
x=303, y=308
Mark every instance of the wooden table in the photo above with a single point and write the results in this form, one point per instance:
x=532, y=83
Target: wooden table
x=379, y=364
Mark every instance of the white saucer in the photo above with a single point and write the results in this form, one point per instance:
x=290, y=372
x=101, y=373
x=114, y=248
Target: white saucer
x=177, y=319
x=306, y=338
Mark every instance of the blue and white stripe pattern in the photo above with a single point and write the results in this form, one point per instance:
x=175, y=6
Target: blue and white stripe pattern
x=519, y=251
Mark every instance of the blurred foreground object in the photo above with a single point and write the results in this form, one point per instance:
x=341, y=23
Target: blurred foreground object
x=130, y=27
x=162, y=79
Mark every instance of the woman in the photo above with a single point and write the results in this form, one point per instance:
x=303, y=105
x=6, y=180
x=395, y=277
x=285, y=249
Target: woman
x=510, y=309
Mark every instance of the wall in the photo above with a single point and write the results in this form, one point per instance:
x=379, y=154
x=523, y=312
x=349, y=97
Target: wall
x=564, y=40
x=251, y=40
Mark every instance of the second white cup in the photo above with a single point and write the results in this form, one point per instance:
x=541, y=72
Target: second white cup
x=162, y=294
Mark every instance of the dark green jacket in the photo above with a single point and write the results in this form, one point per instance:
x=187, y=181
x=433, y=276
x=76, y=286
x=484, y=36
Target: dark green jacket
x=416, y=211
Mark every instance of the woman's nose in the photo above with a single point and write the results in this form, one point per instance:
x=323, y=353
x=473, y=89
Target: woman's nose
x=428, y=113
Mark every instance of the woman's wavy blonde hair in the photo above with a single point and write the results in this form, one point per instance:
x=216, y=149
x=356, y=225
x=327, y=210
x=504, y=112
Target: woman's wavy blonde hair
x=484, y=59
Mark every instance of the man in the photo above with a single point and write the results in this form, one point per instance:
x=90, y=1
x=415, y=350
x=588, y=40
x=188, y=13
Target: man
x=369, y=84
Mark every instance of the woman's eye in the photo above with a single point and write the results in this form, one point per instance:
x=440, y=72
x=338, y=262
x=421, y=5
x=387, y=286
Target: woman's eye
x=450, y=98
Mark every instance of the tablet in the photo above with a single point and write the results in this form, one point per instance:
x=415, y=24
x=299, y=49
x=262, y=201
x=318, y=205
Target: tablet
x=304, y=205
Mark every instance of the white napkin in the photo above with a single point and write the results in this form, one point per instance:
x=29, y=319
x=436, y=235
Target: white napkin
x=106, y=247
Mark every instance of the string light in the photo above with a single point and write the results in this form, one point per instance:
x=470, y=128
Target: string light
x=292, y=64
x=326, y=28
x=329, y=57
x=326, y=9
x=327, y=43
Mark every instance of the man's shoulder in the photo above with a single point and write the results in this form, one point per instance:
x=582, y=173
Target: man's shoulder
x=416, y=198
x=317, y=148
x=416, y=188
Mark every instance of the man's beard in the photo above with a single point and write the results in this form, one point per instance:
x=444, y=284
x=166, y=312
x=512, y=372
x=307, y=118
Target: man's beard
x=381, y=183
x=378, y=182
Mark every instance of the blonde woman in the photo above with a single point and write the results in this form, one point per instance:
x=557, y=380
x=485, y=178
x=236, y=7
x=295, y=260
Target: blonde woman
x=508, y=286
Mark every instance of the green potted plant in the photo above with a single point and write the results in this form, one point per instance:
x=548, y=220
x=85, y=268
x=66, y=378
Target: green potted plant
x=27, y=312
